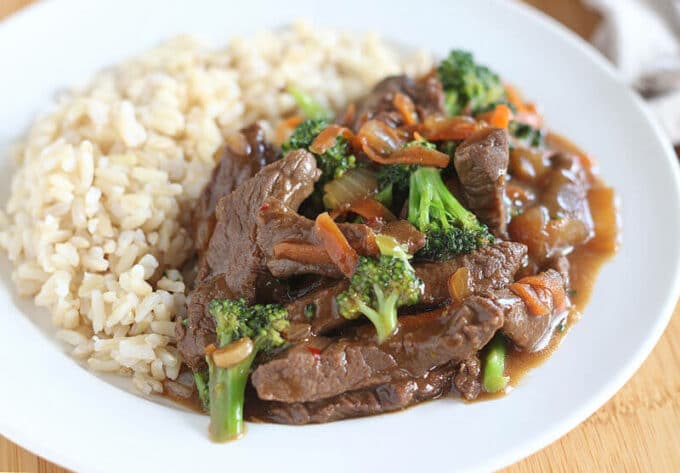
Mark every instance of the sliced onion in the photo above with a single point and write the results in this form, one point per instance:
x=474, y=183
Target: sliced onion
x=328, y=136
x=355, y=184
x=379, y=140
x=453, y=128
x=459, y=284
x=419, y=155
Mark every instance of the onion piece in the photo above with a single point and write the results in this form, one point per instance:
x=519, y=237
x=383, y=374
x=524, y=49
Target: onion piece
x=301, y=252
x=328, y=137
x=378, y=139
x=453, y=128
x=369, y=209
x=356, y=184
x=406, y=107
x=418, y=155
x=459, y=284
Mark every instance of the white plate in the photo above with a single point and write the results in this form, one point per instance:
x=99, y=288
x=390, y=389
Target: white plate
x=53, y=407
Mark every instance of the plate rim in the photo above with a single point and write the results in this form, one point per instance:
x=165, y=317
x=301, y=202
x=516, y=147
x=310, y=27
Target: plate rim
x=525, y=448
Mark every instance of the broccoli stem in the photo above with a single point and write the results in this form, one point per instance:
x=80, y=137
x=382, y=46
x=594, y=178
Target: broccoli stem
x=385, y=318
x=494, y=365
x=310, y=107
x=202, y=389
x=227, y=389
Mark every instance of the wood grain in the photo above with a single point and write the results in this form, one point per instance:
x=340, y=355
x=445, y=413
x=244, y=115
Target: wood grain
x=637, y=430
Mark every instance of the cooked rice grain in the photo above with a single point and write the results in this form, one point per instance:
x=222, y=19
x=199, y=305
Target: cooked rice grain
x=106, y=182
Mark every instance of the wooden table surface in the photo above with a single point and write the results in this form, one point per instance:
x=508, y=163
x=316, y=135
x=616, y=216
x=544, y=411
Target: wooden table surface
x=637, y=430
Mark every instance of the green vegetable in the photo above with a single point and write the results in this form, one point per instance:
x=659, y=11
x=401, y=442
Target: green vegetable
x=494, y=378
x=310, y=107
x=334, y=162
x=468, y=85
x=202, y=388
x=234, y=320
x=527, y=134
x=393, y=180
x=381, y=285
x=450, y=228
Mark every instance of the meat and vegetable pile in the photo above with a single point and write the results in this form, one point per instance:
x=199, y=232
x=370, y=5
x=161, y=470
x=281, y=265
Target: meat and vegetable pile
x=385, y=255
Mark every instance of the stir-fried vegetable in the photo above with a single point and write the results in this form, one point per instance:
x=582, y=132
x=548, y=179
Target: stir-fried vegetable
x=468, y=85
x=494, y=378
x=242, y=332
x=450, y=228
x=381, y=285
x=334, y=161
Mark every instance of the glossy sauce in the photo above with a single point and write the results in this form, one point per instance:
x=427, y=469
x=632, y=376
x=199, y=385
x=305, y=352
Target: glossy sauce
x=585, y=264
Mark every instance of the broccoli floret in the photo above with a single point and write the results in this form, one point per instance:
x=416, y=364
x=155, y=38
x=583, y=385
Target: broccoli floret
x=334, y=162
x=468, y=85
x=527, y=134
x=449, y=227
x=393, y=179
x=310, y=107
x=379, y=286
x=262, y=324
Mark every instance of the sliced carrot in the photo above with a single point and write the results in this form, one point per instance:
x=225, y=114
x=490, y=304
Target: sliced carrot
x=348, y=116
x=301, y=252
x=328, y=136
x=499, y=117
x=406, y=107
x=335, y=244
x=534, y=305
x=285, y=127
x=514, y=97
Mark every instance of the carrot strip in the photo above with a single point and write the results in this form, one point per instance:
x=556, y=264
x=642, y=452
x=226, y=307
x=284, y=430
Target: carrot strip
x=405, y=106
x=285, y=127
x=534, y=305
x=328, y=136
x=348, y=116
x=301, y=252
x=335, y=244
x=499, y=117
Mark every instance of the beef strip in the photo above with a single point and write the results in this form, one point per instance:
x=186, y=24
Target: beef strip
x=530, y=332
x=467, y=378
x=427, y=96
x=423, y=342
x=278, y=223
x=490, y=267
x=232, y=264
x=243, y=155
x=387, y=397
x=481, y=162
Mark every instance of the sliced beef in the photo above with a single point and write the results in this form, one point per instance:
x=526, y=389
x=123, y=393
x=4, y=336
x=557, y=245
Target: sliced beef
x=278, y=224
x=481, y=162
x=427, y=96
x=243, y=155
x=491, y=267
x=232, y=264
x=467, y=378
x=423, y=342
x=530, y=332
x=233, y=248
x=395, y=395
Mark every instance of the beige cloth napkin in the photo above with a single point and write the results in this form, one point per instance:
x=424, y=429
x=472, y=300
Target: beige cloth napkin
x=642, y=39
